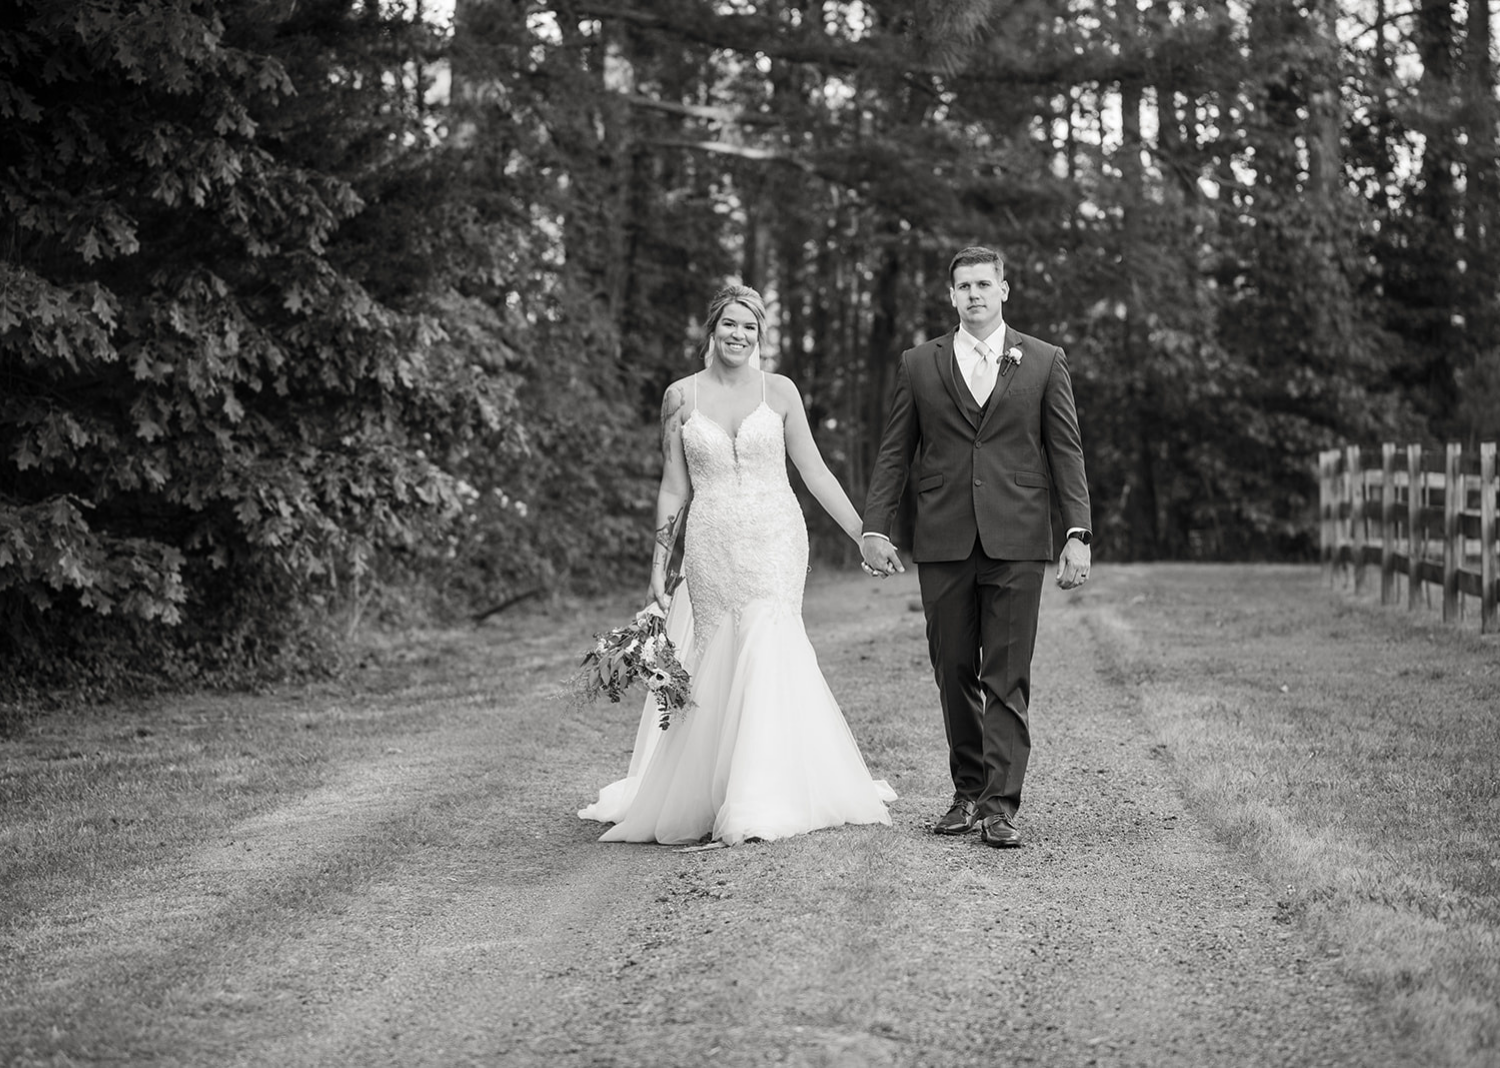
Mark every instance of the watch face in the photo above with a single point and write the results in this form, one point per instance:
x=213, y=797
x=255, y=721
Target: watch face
x=1082, y=535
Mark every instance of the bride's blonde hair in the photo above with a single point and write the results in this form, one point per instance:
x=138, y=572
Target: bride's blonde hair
x=734, y=294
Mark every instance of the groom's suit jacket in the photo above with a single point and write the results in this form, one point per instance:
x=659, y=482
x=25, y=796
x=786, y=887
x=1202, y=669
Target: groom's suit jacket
x=988, y=475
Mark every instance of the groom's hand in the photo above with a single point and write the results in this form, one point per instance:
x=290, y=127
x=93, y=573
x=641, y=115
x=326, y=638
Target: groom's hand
x=880, y=556
x=1073, y=564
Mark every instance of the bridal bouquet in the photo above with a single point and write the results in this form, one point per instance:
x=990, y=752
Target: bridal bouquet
x=638, y=650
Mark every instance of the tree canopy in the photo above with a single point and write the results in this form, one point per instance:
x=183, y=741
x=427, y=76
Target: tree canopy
x=305, y=302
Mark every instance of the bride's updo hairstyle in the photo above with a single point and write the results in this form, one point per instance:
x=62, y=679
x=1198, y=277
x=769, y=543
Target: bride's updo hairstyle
x=734, y=294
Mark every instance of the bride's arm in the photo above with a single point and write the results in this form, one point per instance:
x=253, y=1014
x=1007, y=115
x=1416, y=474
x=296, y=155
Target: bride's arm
x=675, y=492
x=803, y=451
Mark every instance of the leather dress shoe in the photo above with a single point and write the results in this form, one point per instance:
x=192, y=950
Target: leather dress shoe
x=958, y=820
x=997, y=830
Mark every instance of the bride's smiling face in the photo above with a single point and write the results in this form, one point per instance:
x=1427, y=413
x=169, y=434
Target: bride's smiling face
x=736, y=335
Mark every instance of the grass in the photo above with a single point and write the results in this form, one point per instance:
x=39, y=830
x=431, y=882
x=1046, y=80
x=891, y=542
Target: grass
x=152, y=855
x=1352, y=749
x=99, y=791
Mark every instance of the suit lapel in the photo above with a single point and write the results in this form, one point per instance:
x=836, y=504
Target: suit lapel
x=947, y=369
x=1003, y=383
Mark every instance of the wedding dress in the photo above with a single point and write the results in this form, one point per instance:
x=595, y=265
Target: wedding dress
x=763, y=751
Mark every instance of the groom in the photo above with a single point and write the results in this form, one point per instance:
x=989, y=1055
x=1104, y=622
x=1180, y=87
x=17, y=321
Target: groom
x=983, y=420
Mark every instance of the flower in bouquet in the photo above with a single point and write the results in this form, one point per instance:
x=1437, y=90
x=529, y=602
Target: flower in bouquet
x=639, y=650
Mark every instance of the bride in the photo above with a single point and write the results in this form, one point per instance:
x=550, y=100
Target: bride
x=763, y=751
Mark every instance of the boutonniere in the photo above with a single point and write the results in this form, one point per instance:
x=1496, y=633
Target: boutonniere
x=1012, y=359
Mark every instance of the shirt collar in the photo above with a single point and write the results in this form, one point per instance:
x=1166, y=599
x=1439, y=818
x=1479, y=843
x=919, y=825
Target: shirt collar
x=964, y=342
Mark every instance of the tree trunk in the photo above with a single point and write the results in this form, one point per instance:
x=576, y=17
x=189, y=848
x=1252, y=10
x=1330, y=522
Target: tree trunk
x=1481, y=413
x=1142, y=520
x=1325, y=109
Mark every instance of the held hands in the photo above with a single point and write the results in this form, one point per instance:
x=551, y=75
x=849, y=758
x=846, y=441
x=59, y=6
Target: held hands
x=1073, y=564
x=880, y=557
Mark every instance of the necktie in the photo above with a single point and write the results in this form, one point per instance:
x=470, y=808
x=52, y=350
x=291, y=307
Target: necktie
x=983, y=378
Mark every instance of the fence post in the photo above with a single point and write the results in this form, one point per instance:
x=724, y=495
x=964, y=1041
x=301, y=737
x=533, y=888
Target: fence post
x=1487, y=620
x=1387, y=522
x=1453, y=553
x=1354, y=481
x=1414, y=501
x=1327, y=505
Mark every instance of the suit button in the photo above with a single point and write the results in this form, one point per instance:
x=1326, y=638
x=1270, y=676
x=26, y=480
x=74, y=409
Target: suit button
x=977, y=443
x=979, y=482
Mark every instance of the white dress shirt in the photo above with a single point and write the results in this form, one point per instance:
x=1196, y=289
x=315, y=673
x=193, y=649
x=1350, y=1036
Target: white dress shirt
x=968, y=358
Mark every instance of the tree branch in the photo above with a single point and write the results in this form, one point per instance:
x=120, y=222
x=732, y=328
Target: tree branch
x=703, y=111
x=752, y=34
x=743, y=151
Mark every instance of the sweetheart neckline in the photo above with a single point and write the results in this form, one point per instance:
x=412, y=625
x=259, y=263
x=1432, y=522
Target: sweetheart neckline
x=715, y=423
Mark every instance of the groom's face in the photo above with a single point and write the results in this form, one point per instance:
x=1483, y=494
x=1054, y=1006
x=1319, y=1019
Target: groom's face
x=978, y=293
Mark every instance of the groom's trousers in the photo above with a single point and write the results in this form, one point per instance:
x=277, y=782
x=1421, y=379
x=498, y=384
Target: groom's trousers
x=981, y=632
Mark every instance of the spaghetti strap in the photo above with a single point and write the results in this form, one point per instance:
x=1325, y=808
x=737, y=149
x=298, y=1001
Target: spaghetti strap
x=695, y=391
x=763, y=387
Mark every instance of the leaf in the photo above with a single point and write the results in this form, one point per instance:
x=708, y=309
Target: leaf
x=103, y=305
x=90, y=246
x=25, y=455
x=146, y=426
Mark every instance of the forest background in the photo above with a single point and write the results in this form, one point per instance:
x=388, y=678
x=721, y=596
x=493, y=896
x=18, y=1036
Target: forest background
x=317, y=312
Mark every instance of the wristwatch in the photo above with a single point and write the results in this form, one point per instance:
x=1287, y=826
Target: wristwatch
x=1085, y=536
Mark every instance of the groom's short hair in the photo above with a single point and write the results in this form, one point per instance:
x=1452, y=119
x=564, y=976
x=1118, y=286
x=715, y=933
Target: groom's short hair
x=976, y=254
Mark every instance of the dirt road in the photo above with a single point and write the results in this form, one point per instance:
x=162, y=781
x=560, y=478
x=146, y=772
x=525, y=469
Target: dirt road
x=1123, y=933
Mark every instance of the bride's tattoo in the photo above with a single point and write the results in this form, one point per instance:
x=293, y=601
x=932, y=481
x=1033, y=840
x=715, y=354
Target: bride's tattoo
x=671, y=404
x=666, y=534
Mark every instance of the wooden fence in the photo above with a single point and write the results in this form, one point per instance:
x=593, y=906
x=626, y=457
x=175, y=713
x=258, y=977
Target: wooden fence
x=1428, y=516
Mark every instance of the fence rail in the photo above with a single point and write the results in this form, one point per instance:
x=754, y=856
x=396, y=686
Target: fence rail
x=1428, y=516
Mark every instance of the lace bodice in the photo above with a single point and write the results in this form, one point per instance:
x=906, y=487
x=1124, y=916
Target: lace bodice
x=746, y=538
